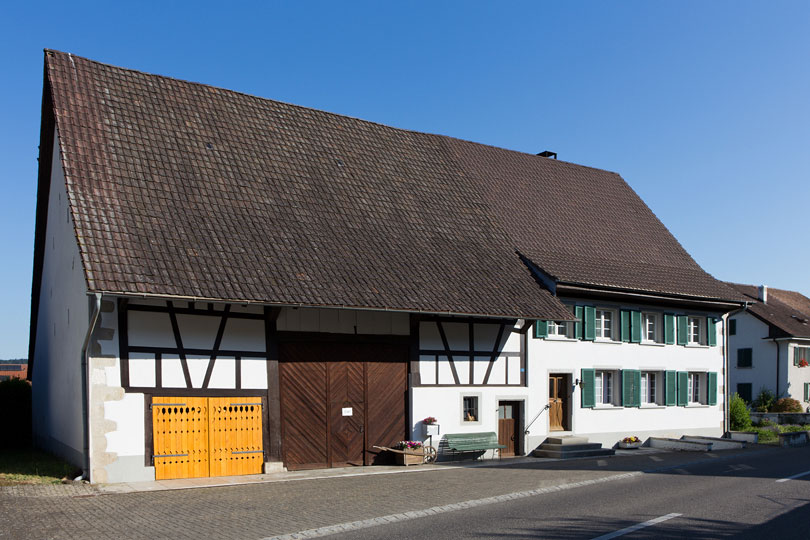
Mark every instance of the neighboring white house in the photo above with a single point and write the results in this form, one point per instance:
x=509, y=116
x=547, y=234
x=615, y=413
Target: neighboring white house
x=225, y=284
x=769, y=344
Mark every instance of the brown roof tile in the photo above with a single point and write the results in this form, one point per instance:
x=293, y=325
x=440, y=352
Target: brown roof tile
x=787, y=311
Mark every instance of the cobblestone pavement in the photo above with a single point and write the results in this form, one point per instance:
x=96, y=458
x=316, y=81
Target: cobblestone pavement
x=257, y=511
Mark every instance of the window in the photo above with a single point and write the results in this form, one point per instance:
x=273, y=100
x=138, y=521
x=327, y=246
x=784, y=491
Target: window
x=649, y=394
x=801, y=354
x=807, y=391
x=744, y=390
x=694, y=388
x=561, y=329
x=605, y=324
x=744, y=358
x=470, y=409
x=732, y=327
x=650, y=328
x=604, y=388
x=693, y=332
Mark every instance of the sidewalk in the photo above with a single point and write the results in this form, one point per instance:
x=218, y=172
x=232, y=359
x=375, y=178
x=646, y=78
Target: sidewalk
x=316, y=501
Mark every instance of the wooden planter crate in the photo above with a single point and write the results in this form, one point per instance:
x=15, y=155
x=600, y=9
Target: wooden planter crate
x=410, y=459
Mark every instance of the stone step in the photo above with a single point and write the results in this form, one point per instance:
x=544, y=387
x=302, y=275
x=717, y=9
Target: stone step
x=566, y=440
x=556, y=452
x=717, y=442
x=679, y=444
x=569, y=447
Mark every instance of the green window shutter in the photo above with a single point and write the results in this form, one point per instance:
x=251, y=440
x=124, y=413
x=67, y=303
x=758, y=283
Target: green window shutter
x=588, y=388
x=744, y=358
x=711, y=326
x=590, y=323
x=626, y=326
x=807, y=391
x=669, y=328
x=796, y=356
x=637, y=388
x=635, y=326
x=711, y=377
x=670, y=383
x=578, y=324
x=540, y=329
x=631, y=388
x=683, y=389
x=732, y=327
x=682, y=330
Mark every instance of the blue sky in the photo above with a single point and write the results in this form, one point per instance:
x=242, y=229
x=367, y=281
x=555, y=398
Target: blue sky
x=703, y=107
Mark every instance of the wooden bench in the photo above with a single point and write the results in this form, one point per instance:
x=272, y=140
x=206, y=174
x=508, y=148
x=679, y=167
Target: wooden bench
x=473, y=442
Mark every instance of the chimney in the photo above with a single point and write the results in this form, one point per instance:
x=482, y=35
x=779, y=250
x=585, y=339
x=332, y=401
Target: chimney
x=548, y=154
x=763, y=293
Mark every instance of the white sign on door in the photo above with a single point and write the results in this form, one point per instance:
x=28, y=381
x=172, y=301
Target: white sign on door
x=347, y=411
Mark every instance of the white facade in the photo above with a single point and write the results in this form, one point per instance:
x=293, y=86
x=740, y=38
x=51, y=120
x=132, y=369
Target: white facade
x=772, y=361
x=62, y=323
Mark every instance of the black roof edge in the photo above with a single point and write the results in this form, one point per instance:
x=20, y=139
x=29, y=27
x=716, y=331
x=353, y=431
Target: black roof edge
x=46, y=140
x=712, y=304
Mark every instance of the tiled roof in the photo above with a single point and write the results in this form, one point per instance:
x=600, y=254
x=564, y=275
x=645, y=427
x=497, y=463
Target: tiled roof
x=184, y=189
x=585, y=226
x=787, y=311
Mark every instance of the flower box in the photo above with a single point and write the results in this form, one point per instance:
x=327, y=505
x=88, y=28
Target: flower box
x=627, y=445
x=408, y=458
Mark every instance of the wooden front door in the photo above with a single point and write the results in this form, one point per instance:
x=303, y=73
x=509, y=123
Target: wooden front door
x=195, y=437
x=338, y=400
x=557, y=396
x=509, y=427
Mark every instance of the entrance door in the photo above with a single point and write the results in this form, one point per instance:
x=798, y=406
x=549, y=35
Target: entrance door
x=557, y=402
x=346, y=413
x=195, y=437
x=509, y=426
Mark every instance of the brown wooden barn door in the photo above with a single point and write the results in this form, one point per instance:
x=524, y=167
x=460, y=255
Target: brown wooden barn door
x=387, y=391
x=346, y=412
x=303, y=408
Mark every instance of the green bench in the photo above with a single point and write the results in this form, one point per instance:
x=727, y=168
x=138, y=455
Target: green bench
x=473, y=442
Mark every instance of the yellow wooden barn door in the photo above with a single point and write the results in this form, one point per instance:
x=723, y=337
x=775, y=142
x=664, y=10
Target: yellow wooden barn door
x=180, y=437
x=235, y=435
x=195, y=437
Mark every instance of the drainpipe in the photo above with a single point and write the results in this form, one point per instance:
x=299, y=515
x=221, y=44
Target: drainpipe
x=86, y=386
x=777, y=367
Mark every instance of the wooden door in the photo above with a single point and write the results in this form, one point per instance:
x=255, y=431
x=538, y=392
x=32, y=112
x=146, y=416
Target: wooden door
x=180, y=437
x=508, y=425
x=302, y=378
x=346, y=411
x=556, y=406
x=235, y=436
x=386, y=402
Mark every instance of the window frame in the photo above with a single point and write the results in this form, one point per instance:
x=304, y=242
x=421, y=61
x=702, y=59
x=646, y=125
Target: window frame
x=553, y=330
x=600, y=386
x=800, y=353
x=656, y=318
x=599, y=324
x=476, y=419
x=698, y=390
x=699, y=324
x=647, y=391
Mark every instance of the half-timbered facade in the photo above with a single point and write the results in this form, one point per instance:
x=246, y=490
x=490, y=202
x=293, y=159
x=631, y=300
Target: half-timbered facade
x=225, y=284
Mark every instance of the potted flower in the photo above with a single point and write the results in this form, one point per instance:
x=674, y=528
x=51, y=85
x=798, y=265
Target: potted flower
x=412, y=453
x=630, y=442
x=802, y=363
x=431, y=426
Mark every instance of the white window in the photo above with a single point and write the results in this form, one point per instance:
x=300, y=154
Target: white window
x=650, y=328
x=562, y=329
x=693, y=331
x=605, y=320
x=694, y=388
x=469, y=411
x=649, y=382
x=604, y=387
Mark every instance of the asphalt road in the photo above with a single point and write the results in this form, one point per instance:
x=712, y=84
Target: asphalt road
x=730, y=498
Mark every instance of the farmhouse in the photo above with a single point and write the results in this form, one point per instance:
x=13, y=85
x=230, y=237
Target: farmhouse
x=769, y=344
x=225, y=284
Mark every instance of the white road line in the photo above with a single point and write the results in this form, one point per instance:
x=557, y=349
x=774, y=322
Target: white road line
x=794, y=476
x=656, y=458
x=634, y=528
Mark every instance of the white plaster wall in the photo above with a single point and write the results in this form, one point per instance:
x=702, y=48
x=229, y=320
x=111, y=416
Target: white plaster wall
x=62, y=323
x=797, y=377
x=751, y=333
x=609, y=425
x=343, y=321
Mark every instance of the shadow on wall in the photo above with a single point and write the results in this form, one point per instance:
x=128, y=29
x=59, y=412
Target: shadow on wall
x=15, y=402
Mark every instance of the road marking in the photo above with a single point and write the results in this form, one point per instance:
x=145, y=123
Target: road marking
x=634, y=528
x=601, y=463
x=794, y=476
x=656, y=458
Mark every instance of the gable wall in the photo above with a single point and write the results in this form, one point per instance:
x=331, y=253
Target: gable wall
x=752, y=333
x=62, y=321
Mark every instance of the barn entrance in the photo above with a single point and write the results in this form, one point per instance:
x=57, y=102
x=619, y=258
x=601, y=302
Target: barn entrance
x=194, y=437
x=338, y=400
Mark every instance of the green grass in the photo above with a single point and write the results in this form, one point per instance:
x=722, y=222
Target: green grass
x=27, y=466
x=769, y=433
